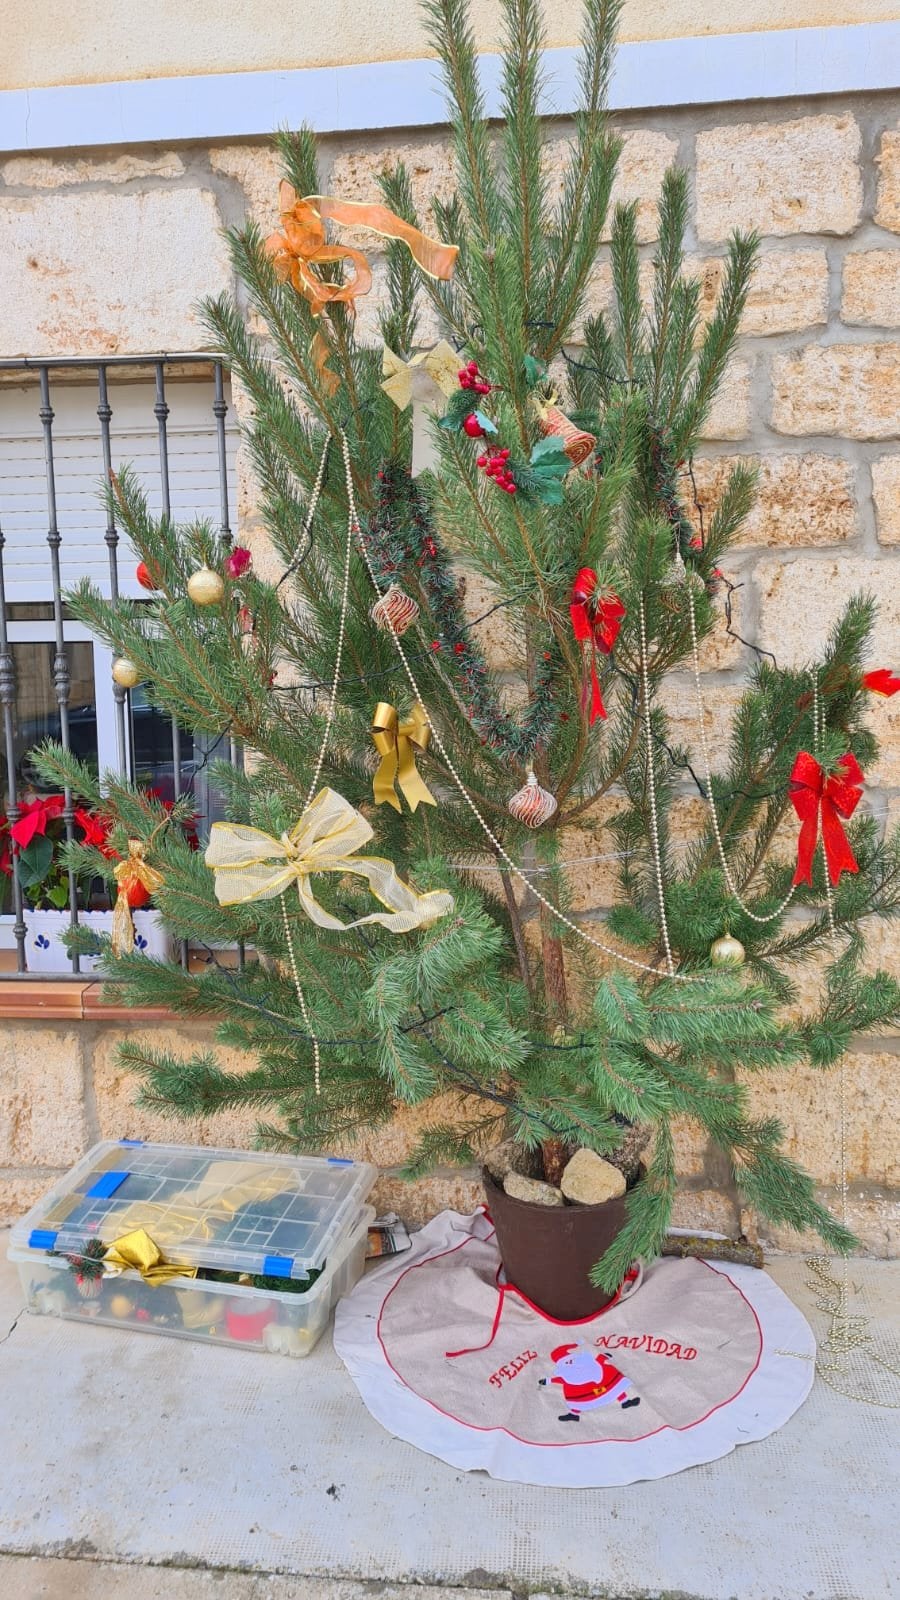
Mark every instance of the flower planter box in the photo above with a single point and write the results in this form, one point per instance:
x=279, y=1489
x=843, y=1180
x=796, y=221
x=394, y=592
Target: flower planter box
x=45, y=951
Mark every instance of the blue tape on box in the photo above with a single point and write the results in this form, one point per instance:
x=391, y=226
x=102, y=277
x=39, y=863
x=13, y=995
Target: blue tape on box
x=339, y=1161
x=278, y=1266
x=106, y=1184
x=135, y=1143
x=41, y=1239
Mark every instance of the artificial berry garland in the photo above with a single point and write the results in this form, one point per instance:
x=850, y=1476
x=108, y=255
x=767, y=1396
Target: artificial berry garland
x=400, y=533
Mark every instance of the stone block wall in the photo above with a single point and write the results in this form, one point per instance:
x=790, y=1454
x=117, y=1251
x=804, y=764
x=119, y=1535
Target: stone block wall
x=109, y=251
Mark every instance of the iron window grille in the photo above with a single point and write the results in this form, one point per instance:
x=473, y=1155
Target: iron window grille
x=137, y=405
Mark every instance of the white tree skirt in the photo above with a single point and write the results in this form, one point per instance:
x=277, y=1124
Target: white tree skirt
x=690, y=1361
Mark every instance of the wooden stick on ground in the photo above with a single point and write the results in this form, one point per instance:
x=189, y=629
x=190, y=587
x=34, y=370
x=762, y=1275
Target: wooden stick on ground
x=739, y=1251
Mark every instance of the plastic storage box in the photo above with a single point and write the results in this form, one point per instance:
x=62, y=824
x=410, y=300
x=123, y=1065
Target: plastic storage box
x=276, y=1241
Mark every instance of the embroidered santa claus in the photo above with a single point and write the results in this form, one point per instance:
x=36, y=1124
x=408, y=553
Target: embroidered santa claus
x=588, y=1379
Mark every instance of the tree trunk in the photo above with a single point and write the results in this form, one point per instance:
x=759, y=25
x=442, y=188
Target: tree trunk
x=554, y=1151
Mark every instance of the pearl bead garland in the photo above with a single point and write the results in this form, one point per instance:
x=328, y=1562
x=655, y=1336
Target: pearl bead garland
x=352, y=533
x=754, y=916
x=587, y=938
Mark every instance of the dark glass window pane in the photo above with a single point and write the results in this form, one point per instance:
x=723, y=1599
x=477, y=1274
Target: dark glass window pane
x=36, y=717
x=34, y=611
x=151, y=743
x=37, y=711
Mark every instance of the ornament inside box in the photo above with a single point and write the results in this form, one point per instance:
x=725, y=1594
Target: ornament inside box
x=226, y=1246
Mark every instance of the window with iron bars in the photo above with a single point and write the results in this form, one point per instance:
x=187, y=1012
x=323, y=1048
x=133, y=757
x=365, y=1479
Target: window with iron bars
x=65, y=424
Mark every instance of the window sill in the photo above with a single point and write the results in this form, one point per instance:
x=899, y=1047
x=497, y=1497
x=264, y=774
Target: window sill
x=70, y=1000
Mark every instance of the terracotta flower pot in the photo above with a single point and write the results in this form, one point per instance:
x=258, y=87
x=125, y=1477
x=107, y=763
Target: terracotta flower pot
x=548, y=1251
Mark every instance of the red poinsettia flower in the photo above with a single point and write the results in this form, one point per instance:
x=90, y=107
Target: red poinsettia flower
x=96, y=831
x=6, y=864
x=881, y=681
x=34, y=815
x=188, y=826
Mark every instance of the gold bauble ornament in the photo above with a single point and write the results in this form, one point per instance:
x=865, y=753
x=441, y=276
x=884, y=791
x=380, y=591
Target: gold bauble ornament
x=727, y=952
x=120, y=1305
x=125, y=673
x=205, y=587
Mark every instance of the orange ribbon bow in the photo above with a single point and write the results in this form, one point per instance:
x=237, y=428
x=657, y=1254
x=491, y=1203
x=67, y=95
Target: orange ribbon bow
x=834, y=797
x=302, y=246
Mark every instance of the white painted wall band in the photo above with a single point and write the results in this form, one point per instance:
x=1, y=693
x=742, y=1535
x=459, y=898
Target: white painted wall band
x=769, y=65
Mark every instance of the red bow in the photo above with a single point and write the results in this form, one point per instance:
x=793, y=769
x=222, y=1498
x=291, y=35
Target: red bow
x=836, y=797
x=596, y=621
x=881, y=681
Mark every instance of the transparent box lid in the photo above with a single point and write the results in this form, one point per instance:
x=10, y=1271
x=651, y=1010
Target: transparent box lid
x=230, y=1210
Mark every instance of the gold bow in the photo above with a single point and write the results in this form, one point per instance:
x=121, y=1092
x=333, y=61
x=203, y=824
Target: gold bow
x=252, y=865
x=441, y=365
x=137, y=1252
x=397, y=743
x=129, y=873
x=303, y=246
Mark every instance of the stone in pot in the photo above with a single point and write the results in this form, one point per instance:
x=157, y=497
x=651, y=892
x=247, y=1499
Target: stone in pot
x=518, y=1187
x=588, y=1180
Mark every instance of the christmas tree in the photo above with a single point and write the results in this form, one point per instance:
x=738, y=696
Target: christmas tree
x=558, y=451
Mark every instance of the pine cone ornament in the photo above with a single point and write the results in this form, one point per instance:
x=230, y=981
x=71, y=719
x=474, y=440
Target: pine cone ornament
x=395, y=611
x=532, y=805
x=576, y=443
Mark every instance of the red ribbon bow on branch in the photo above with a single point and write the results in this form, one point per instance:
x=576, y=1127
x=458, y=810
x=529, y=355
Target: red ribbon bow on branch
x=596, y=619
x=881, y=681
x=835, y=797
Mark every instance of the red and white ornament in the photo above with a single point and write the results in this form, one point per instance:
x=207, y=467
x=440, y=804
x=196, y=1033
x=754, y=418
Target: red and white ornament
x=395, y=611
x=88, y=1288
x=532, y=805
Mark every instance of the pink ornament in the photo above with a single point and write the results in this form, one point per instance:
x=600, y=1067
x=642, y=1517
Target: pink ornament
x=473, y=427
x=395, y=611
x=238, y=562
x=532, y=805
x=245, y=1323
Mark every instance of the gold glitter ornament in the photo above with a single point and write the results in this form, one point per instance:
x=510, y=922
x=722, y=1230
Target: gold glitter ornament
x=121, y=1306
x=125, y=673
x=727, y=952
x=205, y=587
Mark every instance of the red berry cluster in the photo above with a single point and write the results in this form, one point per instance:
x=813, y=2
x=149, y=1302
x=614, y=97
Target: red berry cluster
x=494, y=466
x=470, y=378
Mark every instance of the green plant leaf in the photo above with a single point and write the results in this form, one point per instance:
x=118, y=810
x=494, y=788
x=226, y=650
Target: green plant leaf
x=535, y=370
x=34, y=861
x=549, y=452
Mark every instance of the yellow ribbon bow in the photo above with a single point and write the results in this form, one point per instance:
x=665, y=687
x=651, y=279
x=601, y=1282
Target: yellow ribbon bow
x=129, y=873
x=302, y=246
x=440, y=365
x=252, y=865
x=137, y=1252
x=397, y=743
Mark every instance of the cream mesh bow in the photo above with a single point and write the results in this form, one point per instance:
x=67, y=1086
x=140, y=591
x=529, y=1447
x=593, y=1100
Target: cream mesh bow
x=252, y=865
